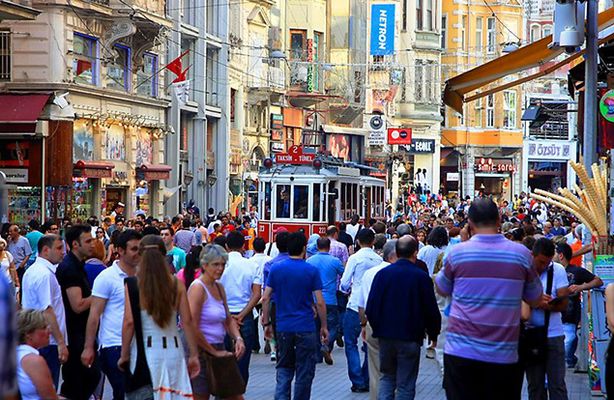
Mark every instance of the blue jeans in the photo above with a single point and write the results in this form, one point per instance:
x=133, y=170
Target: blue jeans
x=295, y=354
x=51, y=356
x=359, y=375
x=399, y=363
x=108, y=364
x=249, y=339
x=332, y=320
x=571, y=343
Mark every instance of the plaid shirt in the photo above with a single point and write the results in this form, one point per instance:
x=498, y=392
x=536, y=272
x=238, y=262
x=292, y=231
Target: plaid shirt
x=339, y=250
x=8, y=371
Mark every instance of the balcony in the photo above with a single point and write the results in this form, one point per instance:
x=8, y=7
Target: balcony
x=484, y=138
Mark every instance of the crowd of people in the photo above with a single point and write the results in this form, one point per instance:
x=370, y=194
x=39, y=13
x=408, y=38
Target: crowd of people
x=490, y=290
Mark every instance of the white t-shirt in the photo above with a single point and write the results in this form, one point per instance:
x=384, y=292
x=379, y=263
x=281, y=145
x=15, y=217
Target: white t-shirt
x=41, y=290
x=5, y=263
x=367, y=282
x=429, y=255
x=26, y=386
x=238, y=277
x=559, y=280
x=109, y=285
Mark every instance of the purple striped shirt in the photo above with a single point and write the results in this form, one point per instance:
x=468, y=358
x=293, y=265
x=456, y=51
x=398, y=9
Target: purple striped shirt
x=487, y=277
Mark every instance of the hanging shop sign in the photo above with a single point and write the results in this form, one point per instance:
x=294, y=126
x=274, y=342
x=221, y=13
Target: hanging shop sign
x=310, y=69
x=452, y=176
x=399, y=135
x=16, y=175
x=549, y=150
x=421, y=146
x=377, y=130
x=294, y=156
x=277, y=147
x=382, y=29
x=494, y=165
x=606, y=105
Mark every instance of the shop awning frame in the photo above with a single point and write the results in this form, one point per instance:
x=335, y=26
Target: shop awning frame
x=533, y=55
x=19, y=113
x=94, y=169
x=155, y=172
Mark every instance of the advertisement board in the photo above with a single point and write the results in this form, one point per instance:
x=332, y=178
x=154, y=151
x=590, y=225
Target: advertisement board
x=382, y=29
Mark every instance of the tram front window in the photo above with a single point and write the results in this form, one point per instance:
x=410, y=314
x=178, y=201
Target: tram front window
x=301, y=201
x=283, y=201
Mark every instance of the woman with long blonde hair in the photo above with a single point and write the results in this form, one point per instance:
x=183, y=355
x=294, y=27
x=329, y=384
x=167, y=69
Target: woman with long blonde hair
x=161, y=297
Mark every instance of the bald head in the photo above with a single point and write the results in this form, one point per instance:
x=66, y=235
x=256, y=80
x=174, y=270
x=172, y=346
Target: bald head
x=407, y=247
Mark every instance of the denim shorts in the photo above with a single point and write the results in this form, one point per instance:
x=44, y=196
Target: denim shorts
x=199, y=383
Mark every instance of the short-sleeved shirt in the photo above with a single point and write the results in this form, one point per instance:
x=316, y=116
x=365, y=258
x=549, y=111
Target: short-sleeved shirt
x=238, y=278
x=487, y=277
x=559, y=281
x=109, y=285
x=19, y=249
x=71, y=273
x=41, y=290
x=178, y=257
x=575, y=276
x=330, y=269
x=293, y=282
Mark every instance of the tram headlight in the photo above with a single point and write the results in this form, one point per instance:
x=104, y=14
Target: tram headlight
x=268, y=163
x=317, y=163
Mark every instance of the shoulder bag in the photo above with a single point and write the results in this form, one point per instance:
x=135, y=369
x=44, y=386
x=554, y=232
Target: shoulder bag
x=533, y=342
x=138, y=384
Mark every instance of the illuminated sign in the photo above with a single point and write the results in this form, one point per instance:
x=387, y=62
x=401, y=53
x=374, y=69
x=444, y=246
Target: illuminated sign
x=494, y=165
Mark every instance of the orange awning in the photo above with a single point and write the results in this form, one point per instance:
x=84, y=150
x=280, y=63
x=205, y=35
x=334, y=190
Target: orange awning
x=532, y=55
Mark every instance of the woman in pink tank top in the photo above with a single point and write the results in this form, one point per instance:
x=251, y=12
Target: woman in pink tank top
x=209, y=310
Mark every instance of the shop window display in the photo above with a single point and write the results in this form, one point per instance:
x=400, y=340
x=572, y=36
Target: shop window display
x=82, y=199
x=24, y=205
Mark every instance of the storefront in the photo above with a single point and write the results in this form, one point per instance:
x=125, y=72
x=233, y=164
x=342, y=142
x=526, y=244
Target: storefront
x=546, y=164
x=148, y=178
x=494, y=177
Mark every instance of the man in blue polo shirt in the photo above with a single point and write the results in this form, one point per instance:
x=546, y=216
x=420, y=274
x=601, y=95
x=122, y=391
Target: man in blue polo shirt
x=295, y=283
x=330, y=269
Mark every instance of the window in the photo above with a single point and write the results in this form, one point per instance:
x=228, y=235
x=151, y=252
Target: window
x=301, y=201
x=85, y=59
x=419, y=25
x=317, y=199
x=298, y=41
x=509, y=109
x=463, y=33
x=5, y=55
x=147, y=76
x=404, y=21
x=535, y=33
x=478, y=113
x=357, y=86
x=429, y=15
x=266, y=206
x=289, y=137
x=547, y=30
x=490, y=111
x=233, y=99
x=479, y=28
x=491, y=37
x=419, y=80
x=444, y=30
x=283, y=201
x=429, y=81
x=118, y=72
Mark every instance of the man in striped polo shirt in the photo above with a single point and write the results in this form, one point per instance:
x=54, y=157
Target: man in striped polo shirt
x=487, y=277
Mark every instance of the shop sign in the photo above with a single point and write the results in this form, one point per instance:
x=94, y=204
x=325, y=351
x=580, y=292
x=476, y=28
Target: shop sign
x=382, y=29
x=277, y=121
x=452, y=176
x=96, y=173
x=310, y=69
x=16, y=175
x=277, y=134
x=115, y=144
x=277, y=147
x=606, y=105
x=549, y=150
x=377, y=131
x=295, y=156
x=494, y=165
x=399, y=135
x=421, y=146
x=83, y=141
x=377, y=163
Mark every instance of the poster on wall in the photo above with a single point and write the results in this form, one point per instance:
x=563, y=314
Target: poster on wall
x=338, y=145
x=83, y=142
x=115, y=143
x=144, y=147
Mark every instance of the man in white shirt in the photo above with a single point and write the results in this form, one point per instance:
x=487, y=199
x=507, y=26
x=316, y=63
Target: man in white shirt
x=243, y=285
x=390, y=257
x=552, y=366
x=363, y=260
x=41, y=291
x=107, y=310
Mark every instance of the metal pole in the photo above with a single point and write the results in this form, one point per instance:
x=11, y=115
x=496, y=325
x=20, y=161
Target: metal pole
x=589, y=143
x=43, y=182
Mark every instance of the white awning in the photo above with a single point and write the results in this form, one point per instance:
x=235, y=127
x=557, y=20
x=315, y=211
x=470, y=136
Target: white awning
x=344, y=130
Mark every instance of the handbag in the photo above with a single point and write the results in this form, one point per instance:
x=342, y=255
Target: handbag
x=533, y=342
x=222, y=373
x=138, y=384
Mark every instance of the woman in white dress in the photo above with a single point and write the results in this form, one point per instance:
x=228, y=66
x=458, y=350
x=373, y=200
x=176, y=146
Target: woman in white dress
x=33, y=375
x=161, y=297
x=7, y=265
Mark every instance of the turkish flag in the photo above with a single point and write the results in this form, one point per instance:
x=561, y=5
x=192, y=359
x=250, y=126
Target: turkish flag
x=82, y=66
x=176, y=67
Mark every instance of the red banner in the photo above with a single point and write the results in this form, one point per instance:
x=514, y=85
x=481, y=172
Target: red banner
x=294, y=156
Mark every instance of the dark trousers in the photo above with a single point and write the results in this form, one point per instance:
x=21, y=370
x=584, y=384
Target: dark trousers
x=108, y=364
x=466, y=379
x=399, y=363
x=79, y=381
x=51, y=356
x=553, y=366
x=332, y=320
x=342, y=302
x=249, y=337
x=295, y=355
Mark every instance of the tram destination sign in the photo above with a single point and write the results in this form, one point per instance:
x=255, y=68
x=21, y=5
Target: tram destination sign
x=295, y=156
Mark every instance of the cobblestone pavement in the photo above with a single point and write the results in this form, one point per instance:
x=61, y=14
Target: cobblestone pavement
x=332, y=382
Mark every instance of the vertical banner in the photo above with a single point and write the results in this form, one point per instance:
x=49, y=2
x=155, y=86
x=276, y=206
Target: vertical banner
x=382, y=29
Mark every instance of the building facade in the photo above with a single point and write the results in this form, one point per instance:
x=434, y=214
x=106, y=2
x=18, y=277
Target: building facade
x=87, y=76
x=485, y=143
